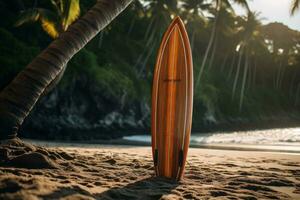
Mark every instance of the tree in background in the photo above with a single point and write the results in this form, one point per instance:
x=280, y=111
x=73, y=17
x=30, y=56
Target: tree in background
x=218, y=5
x=196, y=20
x=252, y=42
x=19, y=97
x=111, y=78
x=54, y=22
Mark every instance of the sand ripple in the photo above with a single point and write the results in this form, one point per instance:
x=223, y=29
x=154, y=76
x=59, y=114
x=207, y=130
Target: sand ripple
x=127, y=173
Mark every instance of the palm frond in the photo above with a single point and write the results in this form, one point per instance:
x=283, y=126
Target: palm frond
x=57, y=6
x=50, y=27
x=71, y=11
x=243, y=3
x=295, y=6
x=30, y=15
x=47, y=18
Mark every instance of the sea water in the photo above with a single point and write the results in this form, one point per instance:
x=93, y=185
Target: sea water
x=280, y=139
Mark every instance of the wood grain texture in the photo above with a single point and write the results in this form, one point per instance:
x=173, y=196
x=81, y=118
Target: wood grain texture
x=172, y=102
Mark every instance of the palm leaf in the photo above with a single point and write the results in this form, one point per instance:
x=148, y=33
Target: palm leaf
x=49, y=22
x=295, y=6
x=243, y=3
x=57, y=6
x=30, y=15
x=50, y=27
x=228, y=4
x=71, y=11
x=47, y=18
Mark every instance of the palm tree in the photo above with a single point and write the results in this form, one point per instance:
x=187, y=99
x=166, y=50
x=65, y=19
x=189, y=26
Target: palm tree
x=19, y=97
x=196, y=19
x=54, y=21
x=218, y=5
x=225, y=28
x=252, y=42
x=241, y=49
x=160, y=12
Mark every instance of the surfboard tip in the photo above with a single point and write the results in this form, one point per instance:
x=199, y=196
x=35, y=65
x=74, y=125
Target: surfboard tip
x=177, y=20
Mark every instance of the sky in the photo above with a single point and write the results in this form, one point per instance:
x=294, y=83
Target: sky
x=274, y=10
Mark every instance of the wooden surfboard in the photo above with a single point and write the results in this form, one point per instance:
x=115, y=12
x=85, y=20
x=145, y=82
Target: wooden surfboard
x=172, y=102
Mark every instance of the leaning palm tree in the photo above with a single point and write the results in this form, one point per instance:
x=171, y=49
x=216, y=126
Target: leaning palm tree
x=54, y=21
x=20, y=96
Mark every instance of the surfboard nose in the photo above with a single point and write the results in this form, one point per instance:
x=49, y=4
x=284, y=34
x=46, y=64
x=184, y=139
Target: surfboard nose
x=177, y=20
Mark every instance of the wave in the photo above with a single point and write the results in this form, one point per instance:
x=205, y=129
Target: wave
x=272, y=137
x=288, y=136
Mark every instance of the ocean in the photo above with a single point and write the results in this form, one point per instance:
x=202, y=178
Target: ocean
x=286, y=140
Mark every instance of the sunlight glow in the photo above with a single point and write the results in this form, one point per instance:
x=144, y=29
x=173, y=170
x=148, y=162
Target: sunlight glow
x=273, y=11
x=237, y=48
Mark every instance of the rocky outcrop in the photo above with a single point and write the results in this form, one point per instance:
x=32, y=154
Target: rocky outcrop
x=81, y=111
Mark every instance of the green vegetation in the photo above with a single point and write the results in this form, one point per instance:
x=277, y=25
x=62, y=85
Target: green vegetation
x=244, y=71
x=53, y=21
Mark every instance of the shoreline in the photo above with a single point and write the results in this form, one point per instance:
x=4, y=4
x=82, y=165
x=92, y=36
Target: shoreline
x=127, y=143
x=247, y=125
x=75, y=134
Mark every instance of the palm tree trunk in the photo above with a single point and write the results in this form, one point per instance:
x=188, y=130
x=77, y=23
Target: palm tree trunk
x=231, y=66
x=19, y=97
x=210, y=43
x=205, y=57
x=193, y=40
x=254, y=72
x=297, y=95
x=143, y=71
x=292, y=83
x=244, y=81
x=278, y=76
x=237, y=72
x=55, y=81
x=147, y=51
x=213, y=53
x=282, y=75
x=250, y=74
x=224, y=62
x=149, y=28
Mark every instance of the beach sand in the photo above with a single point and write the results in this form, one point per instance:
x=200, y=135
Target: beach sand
x=126, y=172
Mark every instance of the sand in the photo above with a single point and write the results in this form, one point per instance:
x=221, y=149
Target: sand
x=126, y=172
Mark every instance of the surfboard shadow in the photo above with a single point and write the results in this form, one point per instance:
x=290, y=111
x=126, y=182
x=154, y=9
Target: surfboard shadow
x=149, y=188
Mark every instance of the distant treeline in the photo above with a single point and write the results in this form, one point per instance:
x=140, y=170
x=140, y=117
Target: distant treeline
x=243, y=71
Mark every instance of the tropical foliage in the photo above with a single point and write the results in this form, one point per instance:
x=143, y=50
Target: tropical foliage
x=54, y=20
x=244, y=71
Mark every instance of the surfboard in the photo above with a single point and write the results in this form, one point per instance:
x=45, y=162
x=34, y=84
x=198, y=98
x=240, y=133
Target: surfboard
x=172, y=102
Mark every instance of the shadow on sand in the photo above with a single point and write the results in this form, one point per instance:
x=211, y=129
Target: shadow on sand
x=149, y=188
